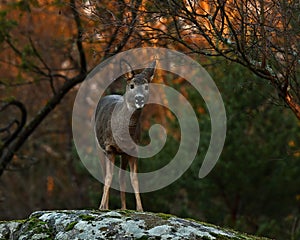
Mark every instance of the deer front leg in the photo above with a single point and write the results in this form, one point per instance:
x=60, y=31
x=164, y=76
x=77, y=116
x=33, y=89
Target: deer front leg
x=135, y=182
x=109, y=167
x=124, y=163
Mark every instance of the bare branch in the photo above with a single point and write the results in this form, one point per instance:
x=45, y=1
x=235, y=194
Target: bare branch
x=16, y=143
x=83, y=63
x=20, y=123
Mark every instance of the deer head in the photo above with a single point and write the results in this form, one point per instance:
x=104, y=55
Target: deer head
x=137, y=88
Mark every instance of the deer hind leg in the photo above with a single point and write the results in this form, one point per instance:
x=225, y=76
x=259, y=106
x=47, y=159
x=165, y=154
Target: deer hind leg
x=135, y=182
x=124, y=163
x=109, y=168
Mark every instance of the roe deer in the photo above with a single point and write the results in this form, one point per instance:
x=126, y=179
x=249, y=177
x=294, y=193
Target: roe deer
x=128, y=109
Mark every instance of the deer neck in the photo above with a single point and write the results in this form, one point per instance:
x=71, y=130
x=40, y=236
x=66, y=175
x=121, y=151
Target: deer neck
x=129, y=113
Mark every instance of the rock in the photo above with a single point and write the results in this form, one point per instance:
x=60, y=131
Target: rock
x=92, y=224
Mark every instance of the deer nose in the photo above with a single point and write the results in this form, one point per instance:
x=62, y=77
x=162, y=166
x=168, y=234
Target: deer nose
x=139, y=101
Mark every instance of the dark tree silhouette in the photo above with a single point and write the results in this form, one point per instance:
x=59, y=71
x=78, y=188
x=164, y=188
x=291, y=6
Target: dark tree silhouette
x=263, y=36
x=30, y=57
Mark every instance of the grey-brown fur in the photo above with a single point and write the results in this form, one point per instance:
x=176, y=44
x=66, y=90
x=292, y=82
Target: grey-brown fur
x=128, y=108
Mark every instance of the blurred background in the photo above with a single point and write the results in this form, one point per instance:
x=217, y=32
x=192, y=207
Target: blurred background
x=250, y=49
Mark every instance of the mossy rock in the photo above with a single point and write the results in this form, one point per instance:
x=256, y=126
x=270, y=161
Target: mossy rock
x=91, y=224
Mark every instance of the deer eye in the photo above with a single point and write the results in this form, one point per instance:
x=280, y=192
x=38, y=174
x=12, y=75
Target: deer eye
x=146, y=87
x=131, y=86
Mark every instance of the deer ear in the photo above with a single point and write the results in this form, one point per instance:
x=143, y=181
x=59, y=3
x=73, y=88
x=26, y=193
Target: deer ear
x=149, y=72
x=126, y=67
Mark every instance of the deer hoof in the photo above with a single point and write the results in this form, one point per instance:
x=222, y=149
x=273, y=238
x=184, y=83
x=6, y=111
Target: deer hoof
x=140, y=209
x=102, y=208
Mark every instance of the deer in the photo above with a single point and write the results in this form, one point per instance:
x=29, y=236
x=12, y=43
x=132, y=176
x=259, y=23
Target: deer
x=128, y=108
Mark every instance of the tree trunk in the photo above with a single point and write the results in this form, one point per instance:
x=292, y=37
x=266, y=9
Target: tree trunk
x=295, y=107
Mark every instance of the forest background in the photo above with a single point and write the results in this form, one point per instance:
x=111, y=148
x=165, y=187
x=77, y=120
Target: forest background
x=250, y=48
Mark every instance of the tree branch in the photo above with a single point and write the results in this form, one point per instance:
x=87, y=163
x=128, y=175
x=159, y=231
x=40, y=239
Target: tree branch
x=83, y=63
x=16, y=143
x=20, y=124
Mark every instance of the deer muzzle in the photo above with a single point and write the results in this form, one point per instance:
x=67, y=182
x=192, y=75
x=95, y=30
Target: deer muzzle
x=139, y=101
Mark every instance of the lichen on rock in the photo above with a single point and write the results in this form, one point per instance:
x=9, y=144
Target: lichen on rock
x=92, y=224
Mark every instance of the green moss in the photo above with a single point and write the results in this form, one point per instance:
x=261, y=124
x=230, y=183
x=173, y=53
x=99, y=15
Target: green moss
x=35, y=223
x=87, y=217
x=70, y=226
x=14, y=221
x=98, y=210
x=164, y=216
x=126, y=212
x=36, y=226
x=202, y=223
